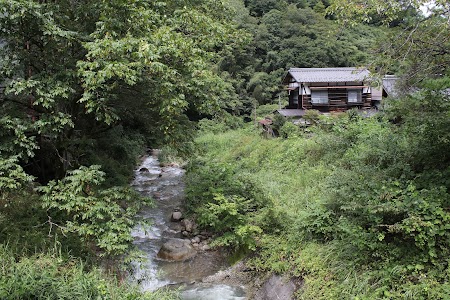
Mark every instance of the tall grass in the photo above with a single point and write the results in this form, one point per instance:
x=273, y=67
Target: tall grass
x=310, y=179
x=51, y=276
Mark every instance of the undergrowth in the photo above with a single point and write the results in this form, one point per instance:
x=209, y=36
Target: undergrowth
x=51, y=276
x=354, y=208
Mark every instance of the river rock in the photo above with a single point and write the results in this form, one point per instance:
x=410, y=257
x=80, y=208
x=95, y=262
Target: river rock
x=206, y=247
x=176, y=216
x=188, y=225
x=176, y=250
x=276, y=287
x=196, y=240
x=144, y=170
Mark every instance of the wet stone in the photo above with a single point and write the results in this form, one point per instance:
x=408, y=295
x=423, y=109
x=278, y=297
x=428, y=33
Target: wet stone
x=176, y=216
x=188, y=225
x=176, y=250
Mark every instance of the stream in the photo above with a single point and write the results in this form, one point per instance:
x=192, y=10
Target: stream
x=166, y=186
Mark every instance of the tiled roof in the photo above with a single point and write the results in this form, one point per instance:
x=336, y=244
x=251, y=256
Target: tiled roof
x=389, y=82
x=328, y=74
x=291, y=112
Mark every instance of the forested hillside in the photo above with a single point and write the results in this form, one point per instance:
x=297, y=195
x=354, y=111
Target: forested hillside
x=289, y=34
x=355, y=208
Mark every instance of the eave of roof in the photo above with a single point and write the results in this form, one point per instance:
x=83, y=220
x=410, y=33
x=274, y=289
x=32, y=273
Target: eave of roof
x=289, y=112
x=328, y=74
x=389, y=82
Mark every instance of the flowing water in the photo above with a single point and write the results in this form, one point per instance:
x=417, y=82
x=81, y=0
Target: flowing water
x=165, y=185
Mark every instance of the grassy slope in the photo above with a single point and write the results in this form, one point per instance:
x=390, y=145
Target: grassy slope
x=294, y=173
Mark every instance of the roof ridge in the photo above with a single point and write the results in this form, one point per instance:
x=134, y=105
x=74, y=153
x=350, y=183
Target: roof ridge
x=335, y=74
x=329, y=69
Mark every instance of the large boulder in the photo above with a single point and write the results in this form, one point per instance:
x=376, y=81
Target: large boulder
x=277, y=287
x=176, y=250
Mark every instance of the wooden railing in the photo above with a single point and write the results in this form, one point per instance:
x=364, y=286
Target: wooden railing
x=336, y=101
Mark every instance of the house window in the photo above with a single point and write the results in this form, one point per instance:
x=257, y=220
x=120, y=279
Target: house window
x=319, y=97
x=354, y=96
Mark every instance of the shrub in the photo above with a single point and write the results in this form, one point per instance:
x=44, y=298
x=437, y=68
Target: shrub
x=220, y=123
x=103, y=217
x=312, y=116
x=226, y=200
x=169, y=155
x=290, y=130
x=229, y=215
x=266, y=110
x=360, y=206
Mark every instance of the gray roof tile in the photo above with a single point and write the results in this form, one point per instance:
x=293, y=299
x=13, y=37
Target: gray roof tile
x=291, y=112
x=389, y=84
x=329, y=74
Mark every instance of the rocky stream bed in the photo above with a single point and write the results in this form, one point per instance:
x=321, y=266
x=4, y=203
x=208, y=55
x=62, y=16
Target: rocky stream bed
x=178, y=255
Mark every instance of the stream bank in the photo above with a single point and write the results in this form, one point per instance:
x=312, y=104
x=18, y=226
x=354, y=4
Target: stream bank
x=165, y=185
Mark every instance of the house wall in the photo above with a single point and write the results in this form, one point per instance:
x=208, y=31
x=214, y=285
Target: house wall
x=337, y=96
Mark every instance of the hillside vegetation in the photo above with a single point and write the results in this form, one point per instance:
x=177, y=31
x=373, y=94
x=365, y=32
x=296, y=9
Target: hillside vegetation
x=85, y=88
x=357, y=207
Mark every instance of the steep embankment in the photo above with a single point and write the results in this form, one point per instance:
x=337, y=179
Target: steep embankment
x=342, y=208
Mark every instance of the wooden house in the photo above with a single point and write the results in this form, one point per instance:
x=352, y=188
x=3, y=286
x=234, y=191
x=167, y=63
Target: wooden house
x=329, y=89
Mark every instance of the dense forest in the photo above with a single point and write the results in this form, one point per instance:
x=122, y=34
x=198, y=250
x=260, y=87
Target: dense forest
x=354, y=207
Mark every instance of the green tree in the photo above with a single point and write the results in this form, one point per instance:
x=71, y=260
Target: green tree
x=292, y=34
x=92, y=82
x=74, y=70
x=355, y=11
x=417, y=49
x=259, y=7
x=101, y=217
x=319, y=7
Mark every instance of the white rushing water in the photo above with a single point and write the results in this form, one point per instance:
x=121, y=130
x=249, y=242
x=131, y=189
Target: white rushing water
x=165, y=185
x=213, y=292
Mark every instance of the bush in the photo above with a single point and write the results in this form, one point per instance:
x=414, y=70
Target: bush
x=312, y=116
x=266, y=110
x=169, y=155
x=100, y=217
x=290, y=130
x=117, y=151
x=220, y=123
x=229, y=215
x=225, y=199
